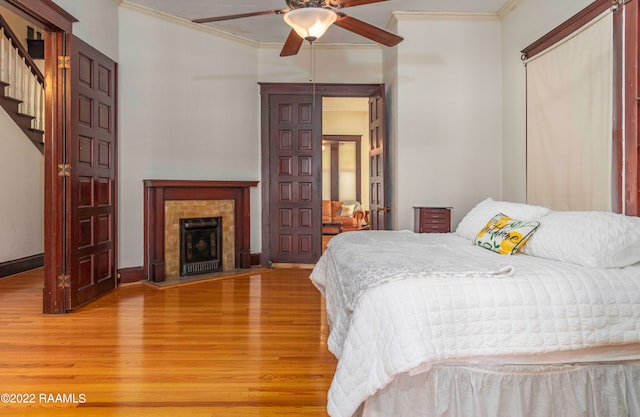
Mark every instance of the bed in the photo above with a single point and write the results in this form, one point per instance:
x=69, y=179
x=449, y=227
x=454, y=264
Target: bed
x=437, y=325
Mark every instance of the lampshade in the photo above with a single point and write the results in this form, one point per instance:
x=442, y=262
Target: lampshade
x=310, y=22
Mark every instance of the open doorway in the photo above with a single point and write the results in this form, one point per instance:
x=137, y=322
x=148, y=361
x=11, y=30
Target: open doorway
x=22, y=155
x=345, y=165
x=292, y=130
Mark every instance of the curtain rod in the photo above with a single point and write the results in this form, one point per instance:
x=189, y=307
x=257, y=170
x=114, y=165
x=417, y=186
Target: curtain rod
x=595, y=20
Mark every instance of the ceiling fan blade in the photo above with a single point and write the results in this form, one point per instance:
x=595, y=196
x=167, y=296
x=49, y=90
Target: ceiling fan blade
x=367, y=30
x=292, y=44
x=341, y=4
x=239, y=16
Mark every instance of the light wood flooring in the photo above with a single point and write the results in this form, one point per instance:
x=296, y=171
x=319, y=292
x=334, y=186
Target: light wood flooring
x=245, y=346
x=325, y=240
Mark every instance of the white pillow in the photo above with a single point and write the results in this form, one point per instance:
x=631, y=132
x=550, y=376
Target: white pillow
x=347, y=210
x=590, y=238
x=478, y=217
x=357, y=204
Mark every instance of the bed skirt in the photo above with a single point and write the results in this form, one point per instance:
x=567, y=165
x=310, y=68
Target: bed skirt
x=589, y=390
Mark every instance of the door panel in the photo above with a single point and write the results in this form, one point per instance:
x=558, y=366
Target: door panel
x=378, y=200
x=294, y=179
x=92, y=150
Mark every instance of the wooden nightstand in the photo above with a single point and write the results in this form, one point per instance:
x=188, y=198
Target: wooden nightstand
x=430, y=219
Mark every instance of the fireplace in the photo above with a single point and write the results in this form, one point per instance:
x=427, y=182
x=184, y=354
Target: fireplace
x=200, y=245
x=166, y=200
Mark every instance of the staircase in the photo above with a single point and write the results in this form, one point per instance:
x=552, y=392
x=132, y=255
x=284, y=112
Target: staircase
x=21, y=86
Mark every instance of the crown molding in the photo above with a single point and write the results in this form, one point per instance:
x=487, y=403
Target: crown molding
x=184, y=22
x=507, y=7
x=400, y=15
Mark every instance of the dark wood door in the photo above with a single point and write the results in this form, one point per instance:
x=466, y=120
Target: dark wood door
x=295, y=171
x=92, y=158
x=378, y=201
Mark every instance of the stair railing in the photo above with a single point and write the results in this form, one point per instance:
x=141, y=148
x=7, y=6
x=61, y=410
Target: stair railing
x=24, y=79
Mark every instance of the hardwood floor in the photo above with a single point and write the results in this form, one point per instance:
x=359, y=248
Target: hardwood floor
x=325, y=240
x=245, y=346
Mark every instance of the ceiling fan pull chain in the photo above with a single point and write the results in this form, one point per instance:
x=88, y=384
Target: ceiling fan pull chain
x=312, y=71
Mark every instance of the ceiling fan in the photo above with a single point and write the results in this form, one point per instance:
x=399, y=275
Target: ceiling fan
x=309, y=19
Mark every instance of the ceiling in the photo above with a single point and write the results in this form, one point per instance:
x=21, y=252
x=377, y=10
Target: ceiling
x=272, y=29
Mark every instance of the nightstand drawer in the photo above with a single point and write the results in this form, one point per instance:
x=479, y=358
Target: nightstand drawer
x=435, y=216
x=434, y=212
x=432, y=219
x=434, y=228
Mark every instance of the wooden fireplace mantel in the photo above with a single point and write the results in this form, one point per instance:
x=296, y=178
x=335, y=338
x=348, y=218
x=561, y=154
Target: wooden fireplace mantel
x=156, y=192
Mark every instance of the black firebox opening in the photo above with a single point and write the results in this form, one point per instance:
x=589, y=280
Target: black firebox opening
x=200, y=245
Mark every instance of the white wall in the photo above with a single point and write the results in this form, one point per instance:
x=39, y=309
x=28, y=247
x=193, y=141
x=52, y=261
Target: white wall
x=97, y=23
x=333, y=64
x=21, y=194
x=521, y=27
x=448, y=141
x=188, y=110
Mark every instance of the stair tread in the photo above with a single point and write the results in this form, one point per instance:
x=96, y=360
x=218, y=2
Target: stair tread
x=15, y=100
x=23, y=121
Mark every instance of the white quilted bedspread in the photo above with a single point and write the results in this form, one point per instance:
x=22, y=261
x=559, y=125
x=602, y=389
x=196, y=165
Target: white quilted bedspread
x=459, y=313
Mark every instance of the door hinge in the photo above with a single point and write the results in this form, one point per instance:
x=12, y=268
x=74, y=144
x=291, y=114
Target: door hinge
x=64, y=281
x=64, y=61
x=64, y=170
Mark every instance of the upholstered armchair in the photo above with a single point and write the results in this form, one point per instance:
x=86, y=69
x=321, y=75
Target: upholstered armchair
x=348, y=215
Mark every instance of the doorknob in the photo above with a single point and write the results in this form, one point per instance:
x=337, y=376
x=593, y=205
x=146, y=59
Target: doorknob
x=385, y=209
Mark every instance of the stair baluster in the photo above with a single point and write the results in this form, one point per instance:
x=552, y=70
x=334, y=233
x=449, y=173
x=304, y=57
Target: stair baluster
x=10, y=73
x=23, y=86
x=3, y=56
x=27, y=99
x=39, y=122
x=18, y=64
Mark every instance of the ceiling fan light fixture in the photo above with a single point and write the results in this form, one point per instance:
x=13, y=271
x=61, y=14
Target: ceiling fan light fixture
x=310, y=23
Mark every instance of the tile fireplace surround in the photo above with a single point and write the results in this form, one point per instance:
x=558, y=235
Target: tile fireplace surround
x=165, y=200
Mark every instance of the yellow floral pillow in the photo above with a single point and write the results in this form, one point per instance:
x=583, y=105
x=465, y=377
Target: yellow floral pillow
x=505, y=235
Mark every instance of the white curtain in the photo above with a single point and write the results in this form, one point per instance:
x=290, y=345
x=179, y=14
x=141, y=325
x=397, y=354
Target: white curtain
x=570, y=121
